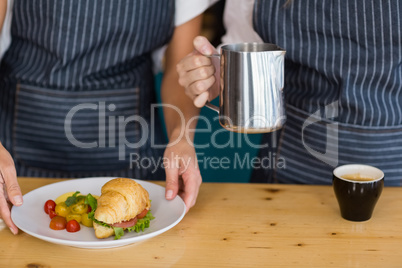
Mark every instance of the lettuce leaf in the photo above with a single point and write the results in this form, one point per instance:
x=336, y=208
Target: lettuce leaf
x=142, y=223
x=71, y=200
x=118, y=232
x=93, y=203
x=138, y=227
x=101, y=222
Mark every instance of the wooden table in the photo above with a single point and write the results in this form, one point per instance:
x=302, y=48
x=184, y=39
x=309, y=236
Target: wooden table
x=239, y=225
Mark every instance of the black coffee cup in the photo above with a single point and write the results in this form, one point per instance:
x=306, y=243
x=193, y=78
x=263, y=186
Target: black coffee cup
x=357, y=189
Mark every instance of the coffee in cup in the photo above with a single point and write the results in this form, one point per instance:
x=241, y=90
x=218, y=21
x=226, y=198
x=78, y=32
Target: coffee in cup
x=357, y=177
x=357, y=188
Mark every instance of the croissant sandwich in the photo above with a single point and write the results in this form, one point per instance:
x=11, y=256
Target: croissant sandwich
x=123, y=205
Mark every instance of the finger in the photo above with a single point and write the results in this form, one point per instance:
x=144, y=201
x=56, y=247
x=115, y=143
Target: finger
x=9, y=177
x=193, y=61
x=192, y=181
x=190, y=193
x=202, y=45
x=5, y=213
x=201, y=99
x=181, y=186
x=5, y=193
x=200, y=87
x=190, y=79
x=172, y=179
x=197, y=80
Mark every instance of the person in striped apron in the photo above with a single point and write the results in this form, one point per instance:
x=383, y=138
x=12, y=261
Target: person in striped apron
x=343, y=83
x=77, y=94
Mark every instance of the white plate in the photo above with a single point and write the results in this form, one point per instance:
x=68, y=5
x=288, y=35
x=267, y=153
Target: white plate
x=32, y=219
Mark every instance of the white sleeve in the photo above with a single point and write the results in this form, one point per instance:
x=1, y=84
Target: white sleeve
x=185, y=11
x=5, y=34
x=189, y=9
x=238, y=21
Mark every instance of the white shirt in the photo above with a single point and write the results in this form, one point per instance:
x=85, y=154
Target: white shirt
x=5, y=36
x=238, y=21
x=189, y=9
x=185, y=11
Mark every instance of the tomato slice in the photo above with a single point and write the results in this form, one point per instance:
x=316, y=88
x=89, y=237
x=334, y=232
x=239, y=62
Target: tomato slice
x=73, y=226
x=126, y=224
x=58, y=223
x=142, y=214
x=50, y=205
x=52, y=214
x=132, y=222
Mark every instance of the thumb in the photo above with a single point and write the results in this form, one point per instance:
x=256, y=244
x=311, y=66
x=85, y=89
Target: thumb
x=202, y=45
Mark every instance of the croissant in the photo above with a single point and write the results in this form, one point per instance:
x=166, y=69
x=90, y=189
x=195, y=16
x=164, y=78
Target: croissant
x=121, y=200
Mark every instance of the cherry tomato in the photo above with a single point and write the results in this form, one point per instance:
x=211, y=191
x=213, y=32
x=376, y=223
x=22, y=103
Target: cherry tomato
x=76, y=217
x=85, y=220
x=52, y=214
x=142, y=214
x=89, y=209
x=61, y=209
x=50, y=205
x=73, y=226
x=79, y=208
x=58, y=223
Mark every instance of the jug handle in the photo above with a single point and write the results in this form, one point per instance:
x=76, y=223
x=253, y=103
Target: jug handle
x=208, y=103
x=212, y=107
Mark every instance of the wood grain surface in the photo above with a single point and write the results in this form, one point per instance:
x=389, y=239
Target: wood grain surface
x=239, y=225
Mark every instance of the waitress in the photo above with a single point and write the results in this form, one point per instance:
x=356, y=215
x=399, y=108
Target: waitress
x=343, y=82
x=77, y=93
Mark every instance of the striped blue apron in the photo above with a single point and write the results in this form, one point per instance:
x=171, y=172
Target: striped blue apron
x=343, y=86
x=76, y=87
